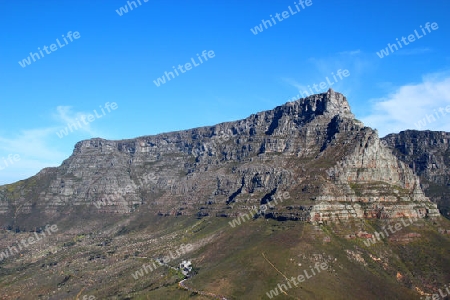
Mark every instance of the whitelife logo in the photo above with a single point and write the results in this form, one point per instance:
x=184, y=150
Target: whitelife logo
x=411, y=38
x=11, y=158
x=262, y=209
x=187, y=66
x=431, y=118
x=90, y=118
x=117, y=196
x=379, y=235
x=31, y=240
x=123, y=10
x=323, y=85
x=438, y=296
x=27, y=61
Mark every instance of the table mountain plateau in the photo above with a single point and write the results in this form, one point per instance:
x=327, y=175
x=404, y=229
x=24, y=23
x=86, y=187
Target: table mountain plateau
x=334, y=167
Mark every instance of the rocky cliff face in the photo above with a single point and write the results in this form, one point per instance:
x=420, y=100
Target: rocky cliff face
x=331, y=165
x=428, y=154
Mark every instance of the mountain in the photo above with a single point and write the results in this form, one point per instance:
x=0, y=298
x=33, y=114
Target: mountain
x=428, y=154
x=312, y=148
x=304, y=188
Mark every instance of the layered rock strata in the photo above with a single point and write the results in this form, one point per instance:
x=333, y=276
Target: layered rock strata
x=333, y=166
x=428, y=154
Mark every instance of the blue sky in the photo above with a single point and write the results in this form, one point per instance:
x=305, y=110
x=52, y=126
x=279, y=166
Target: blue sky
x=116, y=59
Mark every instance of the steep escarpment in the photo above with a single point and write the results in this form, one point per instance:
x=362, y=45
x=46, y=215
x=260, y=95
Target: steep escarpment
x=331, y=165
x=428, y=154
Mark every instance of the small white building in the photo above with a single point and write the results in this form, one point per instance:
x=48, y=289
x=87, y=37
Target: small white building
x=185, y=267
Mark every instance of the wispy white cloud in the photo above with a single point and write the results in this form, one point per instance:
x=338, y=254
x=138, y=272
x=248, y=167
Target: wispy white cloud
x=35, y=151
x=413, y=51
x=29, y=141
x=294, y=83
x=413, y=103
x=37, y=147
x=65, y=115
x=351, y=52
x=356, y=62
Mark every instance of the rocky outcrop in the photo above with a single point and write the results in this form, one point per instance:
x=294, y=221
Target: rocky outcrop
x=333, y=166
x=428, y=154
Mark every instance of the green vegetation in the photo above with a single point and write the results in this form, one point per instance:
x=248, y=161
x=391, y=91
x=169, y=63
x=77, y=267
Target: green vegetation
x=226, y=259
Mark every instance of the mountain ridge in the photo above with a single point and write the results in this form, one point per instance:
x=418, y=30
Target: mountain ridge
x=313, y=148
x=283, y=189
x=428, y=154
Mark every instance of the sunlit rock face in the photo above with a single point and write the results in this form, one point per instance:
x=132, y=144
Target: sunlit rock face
x=428, y=154
x=333, y=167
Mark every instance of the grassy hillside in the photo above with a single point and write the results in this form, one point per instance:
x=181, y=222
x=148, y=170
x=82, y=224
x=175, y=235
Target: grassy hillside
x=244, y=262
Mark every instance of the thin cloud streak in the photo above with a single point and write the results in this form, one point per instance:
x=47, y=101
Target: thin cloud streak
x=411, y=104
